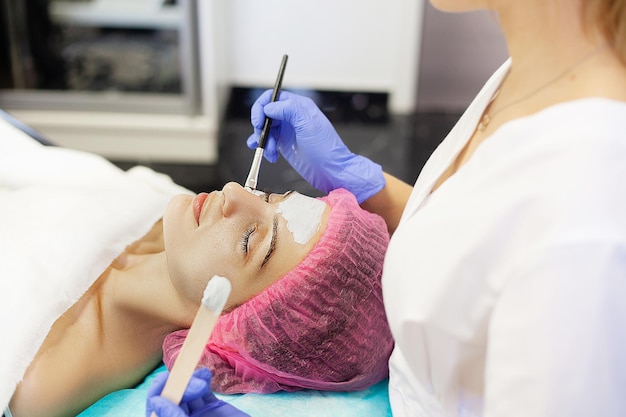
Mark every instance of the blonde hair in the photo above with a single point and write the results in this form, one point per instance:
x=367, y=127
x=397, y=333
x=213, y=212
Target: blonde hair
x=609, y=17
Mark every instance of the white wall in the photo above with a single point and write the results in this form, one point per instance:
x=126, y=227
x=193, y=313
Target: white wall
x=345, y=45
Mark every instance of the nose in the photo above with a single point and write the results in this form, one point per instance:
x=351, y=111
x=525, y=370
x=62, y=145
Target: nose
x=237, y=200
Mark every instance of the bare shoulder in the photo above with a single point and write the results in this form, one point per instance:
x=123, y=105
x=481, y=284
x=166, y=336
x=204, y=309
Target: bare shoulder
x=60, y=367
x=79, y=362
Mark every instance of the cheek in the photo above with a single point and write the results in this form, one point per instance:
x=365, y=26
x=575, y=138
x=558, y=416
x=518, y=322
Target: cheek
x=241, y=291
x=194, y=256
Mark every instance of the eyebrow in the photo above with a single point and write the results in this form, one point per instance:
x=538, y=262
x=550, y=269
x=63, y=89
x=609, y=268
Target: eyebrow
x=272, y=247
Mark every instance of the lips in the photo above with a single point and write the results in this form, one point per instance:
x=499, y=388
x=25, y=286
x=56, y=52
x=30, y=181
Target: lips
x=198, y=204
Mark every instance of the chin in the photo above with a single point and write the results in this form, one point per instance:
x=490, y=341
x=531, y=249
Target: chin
x=178, y=203
x=178, y=222
x=177, y=208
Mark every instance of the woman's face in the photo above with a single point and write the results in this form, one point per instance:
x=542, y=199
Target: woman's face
x=250, y=238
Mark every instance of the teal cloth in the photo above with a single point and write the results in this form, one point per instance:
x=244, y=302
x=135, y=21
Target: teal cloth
x=373, y=401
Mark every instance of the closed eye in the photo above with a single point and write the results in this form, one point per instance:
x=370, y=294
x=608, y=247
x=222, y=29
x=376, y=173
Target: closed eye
x=264, y=195
x=277, y=198
x=245, y=239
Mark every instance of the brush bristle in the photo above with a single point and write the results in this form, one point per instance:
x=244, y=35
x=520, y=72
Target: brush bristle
x=216, y=293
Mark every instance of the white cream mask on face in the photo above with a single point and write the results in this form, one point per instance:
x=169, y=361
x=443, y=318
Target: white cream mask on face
x=303, y=215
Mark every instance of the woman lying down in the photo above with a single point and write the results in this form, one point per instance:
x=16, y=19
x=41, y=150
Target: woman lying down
x=113, y=281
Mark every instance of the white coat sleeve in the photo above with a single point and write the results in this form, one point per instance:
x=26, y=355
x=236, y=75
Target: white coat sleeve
x=557, y=337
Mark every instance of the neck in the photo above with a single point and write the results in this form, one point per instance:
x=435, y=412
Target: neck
x=141, y=296
x=554, y=59
x=544, y=37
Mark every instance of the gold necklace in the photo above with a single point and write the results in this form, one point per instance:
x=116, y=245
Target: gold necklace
x=487, y=118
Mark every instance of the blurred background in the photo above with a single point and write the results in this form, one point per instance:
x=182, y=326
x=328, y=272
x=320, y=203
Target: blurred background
x=169, y=83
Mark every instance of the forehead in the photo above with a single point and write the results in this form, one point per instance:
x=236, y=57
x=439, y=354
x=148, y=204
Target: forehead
x=297, y=234
x=303, y=216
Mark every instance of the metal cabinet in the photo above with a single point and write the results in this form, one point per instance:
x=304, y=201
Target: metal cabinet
x=128, y=79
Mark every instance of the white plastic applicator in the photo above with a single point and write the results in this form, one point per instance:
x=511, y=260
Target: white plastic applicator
x=215, y=295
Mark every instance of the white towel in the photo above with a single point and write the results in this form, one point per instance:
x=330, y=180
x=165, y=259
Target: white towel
x=64, y=216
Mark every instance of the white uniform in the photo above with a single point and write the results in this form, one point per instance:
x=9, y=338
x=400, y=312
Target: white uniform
x=505, y=288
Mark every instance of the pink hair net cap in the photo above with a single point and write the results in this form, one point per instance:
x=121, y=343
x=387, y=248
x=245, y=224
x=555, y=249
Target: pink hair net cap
x=321, y=326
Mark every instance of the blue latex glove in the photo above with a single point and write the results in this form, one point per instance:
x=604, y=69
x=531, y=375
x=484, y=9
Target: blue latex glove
x=309, y=142
x=198, y=399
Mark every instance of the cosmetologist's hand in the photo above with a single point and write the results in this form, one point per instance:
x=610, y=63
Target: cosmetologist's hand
x=308, y=141
x=198, y=399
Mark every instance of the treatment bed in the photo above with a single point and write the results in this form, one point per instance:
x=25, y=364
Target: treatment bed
x=19, y=345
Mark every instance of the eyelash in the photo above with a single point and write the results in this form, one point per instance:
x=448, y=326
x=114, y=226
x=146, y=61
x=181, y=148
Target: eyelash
x=245, y=239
